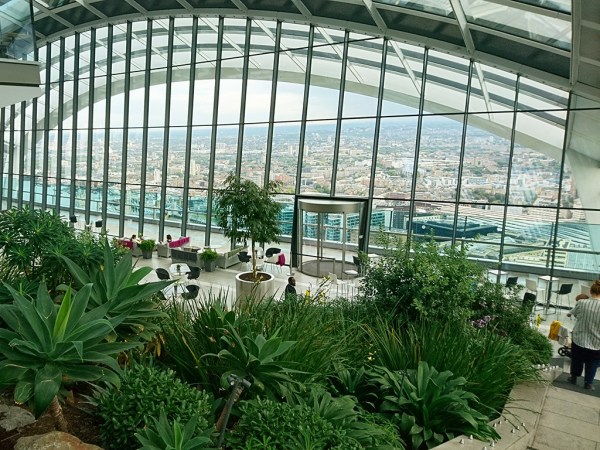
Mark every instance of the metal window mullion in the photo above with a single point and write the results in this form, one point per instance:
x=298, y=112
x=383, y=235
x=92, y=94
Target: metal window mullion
x=109, y=62
x=273, y=101
x=338, y=121
x=213, y=137
x=2, y=150
x=147, y=80
x=75, y=124
x=463, y=141
x=33, y=153
x=60, y=124
x=554, y=237
x=365, y=242
x=46, y=128
x=11, y=157
x=509, y=173
x=240, y=148
x=21, y=193
x=413, y=187
x=165, y=161
x=309, y=55
x=124, y=147
x=90, y=137
x=189, y=135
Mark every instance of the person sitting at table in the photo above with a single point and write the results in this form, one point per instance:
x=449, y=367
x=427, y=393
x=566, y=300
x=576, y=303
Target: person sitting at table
x=169, y=238
x=134, y=238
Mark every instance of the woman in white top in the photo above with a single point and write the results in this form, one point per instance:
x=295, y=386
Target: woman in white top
x=586, y=338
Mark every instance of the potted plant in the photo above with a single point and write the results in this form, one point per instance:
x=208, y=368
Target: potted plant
x=246, y=211
x=209, y=258
x=147, y=247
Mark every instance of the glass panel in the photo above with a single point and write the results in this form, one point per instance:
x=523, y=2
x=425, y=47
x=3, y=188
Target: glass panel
x=540, y=27
x=204, y=94
x=294, y=36
x=254, y=151
x=355, y=156
x=485, y=165
x=200, y=158
x=403, y=70
x=258, y=101
x=180, y=100
x=318, y=157
x=160, y=43
x=227, y=139
x=134, y=157
x=439, y=158
x=197, y=206
x=115, y=155
x=284, y=159
x=230, y=95
x=362, y=81
x=289, y=100
x=157, y=98
x=439, y=7
x=117, y=104
x=446, y=85
x=395, y=157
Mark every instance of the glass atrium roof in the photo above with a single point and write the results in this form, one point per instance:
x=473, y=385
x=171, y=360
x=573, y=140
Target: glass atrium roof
x=533, y=34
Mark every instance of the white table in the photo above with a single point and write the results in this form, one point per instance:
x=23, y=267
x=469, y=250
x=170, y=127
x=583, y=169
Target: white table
x=178, y=271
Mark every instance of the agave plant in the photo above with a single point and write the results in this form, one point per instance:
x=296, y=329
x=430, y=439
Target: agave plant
x=167, y=436
x=44, y=346
x=118, y=287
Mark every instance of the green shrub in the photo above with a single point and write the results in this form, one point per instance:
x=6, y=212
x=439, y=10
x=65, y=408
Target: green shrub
x=423, y=280
x=491, y=363
x=285, y=427
x=144, y=392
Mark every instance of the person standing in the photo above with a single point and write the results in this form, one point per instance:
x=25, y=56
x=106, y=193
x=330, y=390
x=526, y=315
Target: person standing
x=586, y=338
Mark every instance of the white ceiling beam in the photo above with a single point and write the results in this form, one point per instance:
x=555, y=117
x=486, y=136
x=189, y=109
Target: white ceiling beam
x=375, y=15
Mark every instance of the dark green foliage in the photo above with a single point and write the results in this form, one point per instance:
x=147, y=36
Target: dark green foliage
x=535, y=345
x=431, y=407
x=267, y=424
x=489, y=362
x=33, y=242
x=118, y=287
x=423, y=280
x=44, y=345
x=146, y=391
x=163, y=435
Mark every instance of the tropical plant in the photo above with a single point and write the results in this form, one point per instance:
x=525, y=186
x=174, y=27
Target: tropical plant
x=147, y=392
x=45, y=346
x=117, y=286
x=431, y=407
x=163, y=435
x=256, y=359
x=245, y=211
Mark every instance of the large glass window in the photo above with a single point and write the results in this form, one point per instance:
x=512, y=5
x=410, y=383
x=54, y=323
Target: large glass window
x=488, y=170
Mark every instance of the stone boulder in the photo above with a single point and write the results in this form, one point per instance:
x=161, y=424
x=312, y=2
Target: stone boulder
x=56, y=440
x=13, y=417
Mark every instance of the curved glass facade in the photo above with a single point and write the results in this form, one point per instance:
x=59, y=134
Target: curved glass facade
x=141, y=121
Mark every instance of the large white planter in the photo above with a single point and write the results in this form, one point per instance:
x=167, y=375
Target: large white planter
x=245, y=289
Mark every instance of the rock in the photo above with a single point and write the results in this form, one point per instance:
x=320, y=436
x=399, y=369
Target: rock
x=13, y=417
x=56, y=440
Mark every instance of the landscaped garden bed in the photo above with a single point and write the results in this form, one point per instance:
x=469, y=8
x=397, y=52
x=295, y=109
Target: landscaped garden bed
x=428, y=350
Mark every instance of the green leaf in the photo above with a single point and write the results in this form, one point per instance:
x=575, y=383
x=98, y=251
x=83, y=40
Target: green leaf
x=46, y=386
x=23, y=391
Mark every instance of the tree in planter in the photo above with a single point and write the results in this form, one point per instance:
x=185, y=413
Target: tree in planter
x=245, y=211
